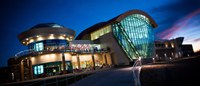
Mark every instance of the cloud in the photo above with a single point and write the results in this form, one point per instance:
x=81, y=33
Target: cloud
x=184, y=23
x=171, y=16
x=196, y=40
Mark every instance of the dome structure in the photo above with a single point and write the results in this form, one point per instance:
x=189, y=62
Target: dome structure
x=45, y=25
x=46, y=31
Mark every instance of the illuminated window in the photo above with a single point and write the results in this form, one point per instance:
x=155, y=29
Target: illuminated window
x=35, y=70
x=166, y=45
x=39, y=69
x=100, y=32
x=39, y=46
x=172, y=45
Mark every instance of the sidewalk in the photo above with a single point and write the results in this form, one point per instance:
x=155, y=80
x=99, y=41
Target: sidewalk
x=114, y=77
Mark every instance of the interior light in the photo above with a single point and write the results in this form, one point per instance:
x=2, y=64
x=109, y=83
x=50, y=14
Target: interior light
x=39, y=38
x=51, y=36
x=31, y=40
x=67, y=38
x=61, y=37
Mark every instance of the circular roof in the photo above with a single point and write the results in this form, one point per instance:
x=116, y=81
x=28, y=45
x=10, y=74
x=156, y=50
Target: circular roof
x=47, y=25
x=46, y=29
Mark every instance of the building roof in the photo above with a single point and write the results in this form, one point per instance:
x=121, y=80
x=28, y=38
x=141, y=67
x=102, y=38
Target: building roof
x=47, y=25
x=46, y=29
x=115, y=19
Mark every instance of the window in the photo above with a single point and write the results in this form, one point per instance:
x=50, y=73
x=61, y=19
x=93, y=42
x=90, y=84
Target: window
x=39, y=69
x=35, y=70
x=39, y=46
x=100, y=32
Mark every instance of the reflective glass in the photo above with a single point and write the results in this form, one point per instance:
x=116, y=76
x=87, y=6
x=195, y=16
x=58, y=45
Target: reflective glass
x=135, y=34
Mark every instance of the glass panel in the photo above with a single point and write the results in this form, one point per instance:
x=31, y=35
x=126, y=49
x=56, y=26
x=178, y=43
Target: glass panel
x=39, y=46
x=96, y=34
x=39, y=70
x=49, y=45
x=135, y=31
x=42, y=69
x=35, y=70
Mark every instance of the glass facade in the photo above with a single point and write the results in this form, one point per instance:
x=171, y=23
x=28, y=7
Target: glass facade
x=86, y=61
x=96, y=34
x=49, y=45
x=52, y=68
x=135, y=34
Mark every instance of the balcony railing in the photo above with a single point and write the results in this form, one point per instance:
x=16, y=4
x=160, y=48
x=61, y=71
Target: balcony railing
x=33, y=52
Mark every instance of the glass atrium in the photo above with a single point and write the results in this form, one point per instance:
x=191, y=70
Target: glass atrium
x=135, y=34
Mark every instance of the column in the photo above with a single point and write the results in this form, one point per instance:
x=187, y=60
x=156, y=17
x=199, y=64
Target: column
x=93, y=61
x=30, y=69
x=22, y=70
x=63, y=62
x=78, y=61
x=106, y=62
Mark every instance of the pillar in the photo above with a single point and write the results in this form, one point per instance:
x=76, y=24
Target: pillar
x=30, y=69
x=22, y=70
x=106, y=62
x=78, y=61
x=64, y=64
x=93, y=61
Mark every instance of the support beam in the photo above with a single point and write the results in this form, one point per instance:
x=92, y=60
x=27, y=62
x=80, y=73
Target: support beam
x=78, y=61
x=106, y=62
x=64, y=64
x=93, y=61
x=22, y=70
x=30, y=69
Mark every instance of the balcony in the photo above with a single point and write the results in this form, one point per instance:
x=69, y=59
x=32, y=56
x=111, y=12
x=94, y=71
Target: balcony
x=31, y=52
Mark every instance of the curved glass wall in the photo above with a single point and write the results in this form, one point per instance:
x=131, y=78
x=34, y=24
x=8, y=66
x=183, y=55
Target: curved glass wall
x=135, y=35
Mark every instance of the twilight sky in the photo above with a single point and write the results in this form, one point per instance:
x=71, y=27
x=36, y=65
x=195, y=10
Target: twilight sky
x=175, y=18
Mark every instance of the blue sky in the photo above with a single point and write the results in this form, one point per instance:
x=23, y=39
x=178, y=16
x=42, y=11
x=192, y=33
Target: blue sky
x=174, y=18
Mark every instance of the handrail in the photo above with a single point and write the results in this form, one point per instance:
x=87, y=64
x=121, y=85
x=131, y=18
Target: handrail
x=24, y=52
x=58, y=80
x=31, y=51
x=136, y=71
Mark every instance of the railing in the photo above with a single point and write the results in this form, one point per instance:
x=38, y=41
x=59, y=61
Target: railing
x=64, y=80
x=136, y=71
x=58, y=81
x=24, y=52
x=33, y=52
